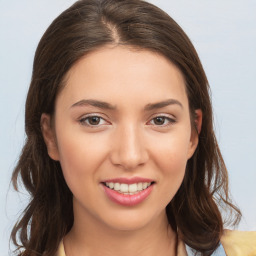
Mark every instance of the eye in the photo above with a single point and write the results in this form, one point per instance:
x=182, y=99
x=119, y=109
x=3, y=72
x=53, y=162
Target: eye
x=93, y=121
x=162, y=121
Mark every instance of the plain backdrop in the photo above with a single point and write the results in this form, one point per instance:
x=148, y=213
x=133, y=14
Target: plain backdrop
x=224, y=34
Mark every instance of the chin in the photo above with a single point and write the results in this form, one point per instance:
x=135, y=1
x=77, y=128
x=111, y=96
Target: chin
x=132, y=220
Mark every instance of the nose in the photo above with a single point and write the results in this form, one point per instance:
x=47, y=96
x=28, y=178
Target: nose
x=128, y=148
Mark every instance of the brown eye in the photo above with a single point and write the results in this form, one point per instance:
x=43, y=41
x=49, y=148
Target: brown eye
x=160, y=120
x=93, y=120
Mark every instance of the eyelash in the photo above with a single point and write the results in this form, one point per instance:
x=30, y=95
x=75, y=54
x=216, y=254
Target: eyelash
x=170, y=120
x=85, y=121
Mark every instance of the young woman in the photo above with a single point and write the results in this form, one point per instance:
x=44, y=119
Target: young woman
x=121, y=156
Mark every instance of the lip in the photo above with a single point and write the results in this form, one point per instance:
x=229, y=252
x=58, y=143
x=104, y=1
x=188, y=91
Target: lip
x=127, y=200
x=128, y=180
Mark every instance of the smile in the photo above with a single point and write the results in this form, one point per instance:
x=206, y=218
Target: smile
x=128, y=189
x=128, y=192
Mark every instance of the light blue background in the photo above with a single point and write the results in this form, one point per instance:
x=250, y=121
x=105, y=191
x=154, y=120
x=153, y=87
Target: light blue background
x=224, y=34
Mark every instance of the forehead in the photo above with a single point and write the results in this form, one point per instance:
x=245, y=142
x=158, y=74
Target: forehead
x=114, y=73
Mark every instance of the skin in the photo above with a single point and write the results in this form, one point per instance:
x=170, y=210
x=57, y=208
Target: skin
x=128, y=141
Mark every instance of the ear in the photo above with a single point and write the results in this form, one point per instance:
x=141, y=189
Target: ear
x=195, y=131
x=49, y=136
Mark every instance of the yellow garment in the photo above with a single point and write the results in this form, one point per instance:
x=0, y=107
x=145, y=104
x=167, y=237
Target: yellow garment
x=235, y=243
x=61, y=251
x=239, y=243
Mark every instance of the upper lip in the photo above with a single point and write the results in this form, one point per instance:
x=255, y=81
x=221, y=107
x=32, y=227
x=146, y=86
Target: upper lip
x=129, y=180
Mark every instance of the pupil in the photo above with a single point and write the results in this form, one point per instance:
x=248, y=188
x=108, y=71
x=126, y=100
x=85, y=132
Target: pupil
x=159, y=120
x=94, y=120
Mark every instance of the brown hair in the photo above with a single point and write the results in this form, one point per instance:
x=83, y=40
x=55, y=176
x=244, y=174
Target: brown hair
x=84, y=27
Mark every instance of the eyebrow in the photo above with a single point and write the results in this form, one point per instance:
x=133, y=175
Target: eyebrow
x=162, y=104
x=94, y=103
x=105, y=105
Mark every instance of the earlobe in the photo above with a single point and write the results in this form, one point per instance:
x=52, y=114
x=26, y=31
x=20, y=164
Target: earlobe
x=194, y=139
x=49, y=136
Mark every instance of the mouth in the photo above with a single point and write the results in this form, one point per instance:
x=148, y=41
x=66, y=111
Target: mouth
x=128, y=192
x=128, y=189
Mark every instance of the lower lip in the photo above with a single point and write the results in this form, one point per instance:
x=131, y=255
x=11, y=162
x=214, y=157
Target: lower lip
x=127, y=200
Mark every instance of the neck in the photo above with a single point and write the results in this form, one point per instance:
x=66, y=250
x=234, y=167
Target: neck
x=89, y=237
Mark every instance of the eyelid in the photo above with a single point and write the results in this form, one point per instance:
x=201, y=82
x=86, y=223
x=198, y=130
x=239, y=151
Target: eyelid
x=169, y=117
x=82, y=119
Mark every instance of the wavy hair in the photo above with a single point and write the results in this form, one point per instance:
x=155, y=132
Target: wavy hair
x=84, y=27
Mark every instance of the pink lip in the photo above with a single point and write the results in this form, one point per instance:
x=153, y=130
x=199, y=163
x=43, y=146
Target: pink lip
x=127, y=200
x=128, y=180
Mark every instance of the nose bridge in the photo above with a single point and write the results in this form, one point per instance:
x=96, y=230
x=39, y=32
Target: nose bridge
x=128, y=147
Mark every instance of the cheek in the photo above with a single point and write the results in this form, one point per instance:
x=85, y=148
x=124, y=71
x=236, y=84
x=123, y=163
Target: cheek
x=173, y=171
x=170, y=155
x=80, y=157
x=172, y=166
x=171, y=150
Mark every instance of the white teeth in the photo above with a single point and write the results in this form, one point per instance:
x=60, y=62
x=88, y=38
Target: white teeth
x=144, y=185
x=123, y=188
x=139, y=187
x=128, y=189
x=116, y=186
x=133, y=188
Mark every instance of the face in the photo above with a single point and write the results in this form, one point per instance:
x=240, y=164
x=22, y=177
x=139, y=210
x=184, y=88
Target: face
x=122, y=134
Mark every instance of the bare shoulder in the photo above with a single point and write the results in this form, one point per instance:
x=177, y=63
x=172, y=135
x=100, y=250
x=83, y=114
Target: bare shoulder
x=239, y=243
